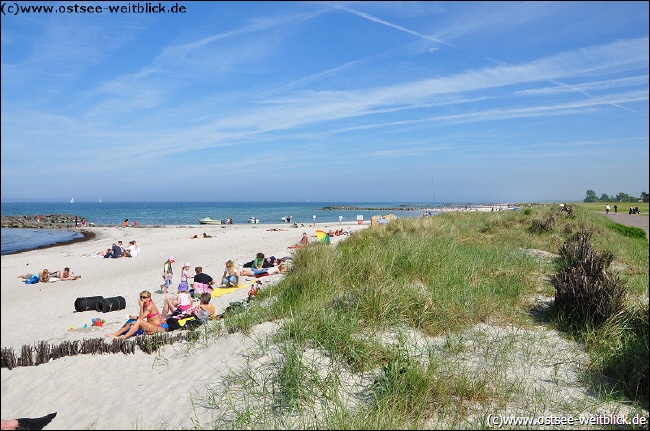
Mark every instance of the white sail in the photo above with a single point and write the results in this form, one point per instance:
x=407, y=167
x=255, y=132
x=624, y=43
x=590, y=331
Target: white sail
x=72, y=200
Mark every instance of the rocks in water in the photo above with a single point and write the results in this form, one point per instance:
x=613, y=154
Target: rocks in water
x=49, y=221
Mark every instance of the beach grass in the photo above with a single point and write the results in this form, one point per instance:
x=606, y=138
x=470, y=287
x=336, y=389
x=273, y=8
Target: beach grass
x=439, y=322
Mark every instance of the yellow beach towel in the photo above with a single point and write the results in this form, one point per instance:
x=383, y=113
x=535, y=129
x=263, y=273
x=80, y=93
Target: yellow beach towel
x=219, y=291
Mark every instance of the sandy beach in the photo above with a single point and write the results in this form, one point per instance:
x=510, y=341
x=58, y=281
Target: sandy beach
x=118, y=391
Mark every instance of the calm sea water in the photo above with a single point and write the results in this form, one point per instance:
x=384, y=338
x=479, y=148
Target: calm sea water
x=177, y=214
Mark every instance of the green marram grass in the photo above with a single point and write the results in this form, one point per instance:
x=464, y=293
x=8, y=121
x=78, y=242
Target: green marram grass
x=440, y=278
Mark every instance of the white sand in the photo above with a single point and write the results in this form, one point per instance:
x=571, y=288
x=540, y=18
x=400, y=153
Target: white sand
x=117, y=391
x=163, y=390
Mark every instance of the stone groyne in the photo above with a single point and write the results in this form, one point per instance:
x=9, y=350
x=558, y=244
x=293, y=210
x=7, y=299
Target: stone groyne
x=357, y=208
x=48, y=221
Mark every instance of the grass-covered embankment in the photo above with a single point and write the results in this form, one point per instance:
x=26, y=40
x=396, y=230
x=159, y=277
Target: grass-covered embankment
x=351, y=317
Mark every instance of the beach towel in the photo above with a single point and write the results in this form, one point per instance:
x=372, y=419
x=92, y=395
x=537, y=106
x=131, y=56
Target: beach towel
x=219, y=291
x=33, y=280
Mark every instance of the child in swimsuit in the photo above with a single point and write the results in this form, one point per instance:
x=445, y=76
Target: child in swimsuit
x=181, y=304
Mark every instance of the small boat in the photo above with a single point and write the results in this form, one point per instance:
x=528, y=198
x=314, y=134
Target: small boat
x=209, y=220
x=72, y=200
x=253, y=220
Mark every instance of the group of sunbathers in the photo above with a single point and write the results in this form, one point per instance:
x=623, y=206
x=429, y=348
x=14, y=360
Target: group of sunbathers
x=47, y=276
x=117, y=250
x=149, y=320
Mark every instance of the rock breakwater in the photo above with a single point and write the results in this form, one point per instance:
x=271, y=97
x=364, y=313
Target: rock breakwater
x=49, y=221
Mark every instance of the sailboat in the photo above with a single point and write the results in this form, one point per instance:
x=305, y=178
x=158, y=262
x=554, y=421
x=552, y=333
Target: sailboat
x=72, y=200
x=100, y=200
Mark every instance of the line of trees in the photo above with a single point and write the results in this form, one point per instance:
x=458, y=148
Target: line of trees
x=621, y=197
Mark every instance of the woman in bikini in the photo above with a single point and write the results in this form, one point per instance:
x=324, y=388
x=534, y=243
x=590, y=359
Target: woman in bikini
x=148, y=320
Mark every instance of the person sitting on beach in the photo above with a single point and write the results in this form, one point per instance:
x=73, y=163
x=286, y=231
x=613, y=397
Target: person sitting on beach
x=305, y=239
x=258, y=263
x=205, y=305
x=202, y=282
x=132, y=250
x=230, y=275
x=148, y=320
x=199, y=314
x=43, y=276
x=65, y=275
x=116, y=251
x=182, y=302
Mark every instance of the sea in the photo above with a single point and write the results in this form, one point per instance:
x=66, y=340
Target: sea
x=15, y=240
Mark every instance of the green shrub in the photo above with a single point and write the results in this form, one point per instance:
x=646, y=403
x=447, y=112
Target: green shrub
x=629, y=231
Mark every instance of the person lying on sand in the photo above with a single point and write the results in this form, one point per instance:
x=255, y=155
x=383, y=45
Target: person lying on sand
x=43, y=276
x=280, y=269
x=101, y=253
x=203, y=235
x=65, y=275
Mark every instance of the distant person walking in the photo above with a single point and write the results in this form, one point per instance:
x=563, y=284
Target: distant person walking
x=76, y=221
x=615, y=209
x=607, y=209
x=340, y=219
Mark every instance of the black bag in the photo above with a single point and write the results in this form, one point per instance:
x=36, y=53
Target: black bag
x=172, y=324
x=184, y=322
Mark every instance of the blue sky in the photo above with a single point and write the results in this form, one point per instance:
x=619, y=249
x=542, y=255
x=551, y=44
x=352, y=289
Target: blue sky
x=352, y=102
